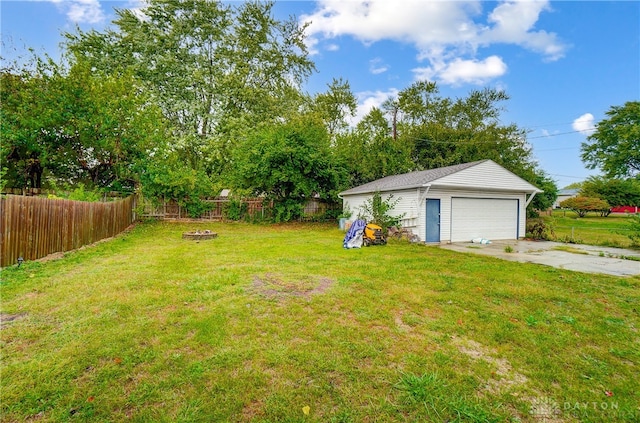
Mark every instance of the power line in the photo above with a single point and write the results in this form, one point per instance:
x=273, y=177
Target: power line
x=556, y=149
x=549, y=124
x=497, y=141
x=561, y=133
x=568, y=176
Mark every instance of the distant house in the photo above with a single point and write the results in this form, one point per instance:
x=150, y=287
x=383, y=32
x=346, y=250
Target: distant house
x=454, y=203
x=565, y=194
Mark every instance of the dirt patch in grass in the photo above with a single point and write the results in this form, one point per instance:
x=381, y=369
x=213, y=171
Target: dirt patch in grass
x=507, y=377
x=279, y=286
x=8, y=318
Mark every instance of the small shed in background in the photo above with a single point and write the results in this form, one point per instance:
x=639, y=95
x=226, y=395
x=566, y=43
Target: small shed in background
x=454, y=204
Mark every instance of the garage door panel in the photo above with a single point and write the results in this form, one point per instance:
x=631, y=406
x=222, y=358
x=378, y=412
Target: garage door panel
x=489, y=218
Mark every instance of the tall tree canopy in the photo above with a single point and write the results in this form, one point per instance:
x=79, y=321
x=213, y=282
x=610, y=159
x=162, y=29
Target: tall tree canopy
x=615, y=191
x=289, y=163
x=215, y=70
x=76, y=126
x=445, y=131
x=615, y=145
x=184, y=95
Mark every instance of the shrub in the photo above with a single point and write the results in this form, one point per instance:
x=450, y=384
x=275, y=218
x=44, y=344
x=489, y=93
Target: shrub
x=538, y=229
x=378, y=211
x=634, y=229
x=235, y=209
x=195, y=207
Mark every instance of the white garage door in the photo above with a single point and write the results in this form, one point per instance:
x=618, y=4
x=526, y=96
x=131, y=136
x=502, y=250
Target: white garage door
x=489, y=218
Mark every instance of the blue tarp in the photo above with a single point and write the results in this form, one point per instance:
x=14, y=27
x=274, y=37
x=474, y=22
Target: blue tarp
x=353, y=238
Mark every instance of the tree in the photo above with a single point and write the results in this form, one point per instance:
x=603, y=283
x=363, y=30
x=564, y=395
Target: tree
x=545, y=199
x=444, y=131
x=574, y=185
x=21, y=153
x=77, y=126
x=288, y=163
x=582, y=205
x=617, y=192
x=335, y=106
x=216, y=71
x=615, y=145
x=369, y=151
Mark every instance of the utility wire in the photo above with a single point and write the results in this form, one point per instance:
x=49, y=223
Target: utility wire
x=497, y=141
x=561, y=133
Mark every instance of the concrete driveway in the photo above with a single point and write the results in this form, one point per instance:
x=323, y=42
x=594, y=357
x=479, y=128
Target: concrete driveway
x=582, y=258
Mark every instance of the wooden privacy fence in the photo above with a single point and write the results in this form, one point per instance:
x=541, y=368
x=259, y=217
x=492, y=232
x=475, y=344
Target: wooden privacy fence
x=251, y=209
x=170, y=209
x=33, y=227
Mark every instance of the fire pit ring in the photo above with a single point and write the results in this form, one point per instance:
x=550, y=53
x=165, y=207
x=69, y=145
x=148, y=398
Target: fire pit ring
x=199, y=235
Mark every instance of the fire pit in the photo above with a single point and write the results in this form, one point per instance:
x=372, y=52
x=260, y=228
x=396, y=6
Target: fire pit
x=199, y=235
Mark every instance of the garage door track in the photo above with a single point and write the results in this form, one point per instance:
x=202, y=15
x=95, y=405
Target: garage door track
x=582, y=258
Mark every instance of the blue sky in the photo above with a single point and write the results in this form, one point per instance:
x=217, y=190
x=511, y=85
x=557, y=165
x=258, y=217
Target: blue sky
x=564, y=64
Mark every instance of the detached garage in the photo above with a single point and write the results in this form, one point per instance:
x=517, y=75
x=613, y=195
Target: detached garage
x=455, y=203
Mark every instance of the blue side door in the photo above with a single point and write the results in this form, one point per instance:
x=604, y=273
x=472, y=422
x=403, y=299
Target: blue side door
x=433, y=220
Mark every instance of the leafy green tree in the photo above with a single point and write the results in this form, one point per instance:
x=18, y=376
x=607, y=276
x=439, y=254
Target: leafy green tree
x=545, y=199
x=79, y=127
x=336, y=106
x=615, y=145
x=583, y=205
x=216, y=70
x=165, y=176
x=22, y=153
x=617, y=192
x=444, y=131
x=369, y=151
x=288, y=163
x=574, y=185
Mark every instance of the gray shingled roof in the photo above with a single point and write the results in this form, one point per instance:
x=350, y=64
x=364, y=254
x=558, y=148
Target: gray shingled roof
x=409, y=180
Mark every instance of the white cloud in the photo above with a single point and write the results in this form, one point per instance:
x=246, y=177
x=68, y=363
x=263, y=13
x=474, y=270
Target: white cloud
x=421, y=23
x=584, y=124
x=514, y=22
x=333, y=47
x=459, y=71
x=447, y=34
x=377, y=66
x=367, y=100
x=81, y=11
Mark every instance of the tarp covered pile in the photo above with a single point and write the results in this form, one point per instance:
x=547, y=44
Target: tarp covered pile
x=353, y=238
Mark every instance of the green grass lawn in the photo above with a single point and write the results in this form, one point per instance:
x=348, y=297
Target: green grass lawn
x=281, y=324
x=610, y=231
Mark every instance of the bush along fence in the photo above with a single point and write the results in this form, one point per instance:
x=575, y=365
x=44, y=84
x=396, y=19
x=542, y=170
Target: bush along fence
x=34, y=227
x=234, y=209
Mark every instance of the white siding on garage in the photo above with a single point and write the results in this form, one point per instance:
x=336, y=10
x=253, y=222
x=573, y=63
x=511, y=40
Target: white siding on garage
x=486, y=175
x=483, y=218
x=406, y=206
